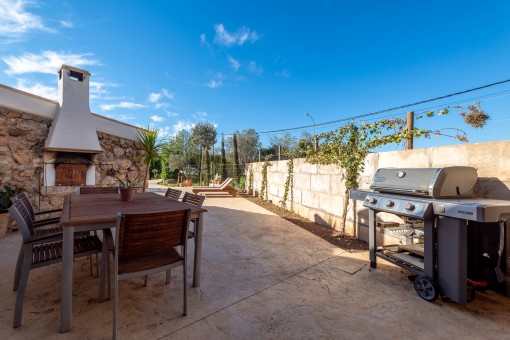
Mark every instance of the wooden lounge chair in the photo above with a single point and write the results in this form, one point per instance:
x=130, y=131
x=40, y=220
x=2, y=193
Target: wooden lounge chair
x=173, y=193
x=145, y=244
x=41, y=248
x=224, y=187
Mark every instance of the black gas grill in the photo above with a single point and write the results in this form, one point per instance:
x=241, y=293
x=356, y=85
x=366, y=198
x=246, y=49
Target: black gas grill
x=455, y=242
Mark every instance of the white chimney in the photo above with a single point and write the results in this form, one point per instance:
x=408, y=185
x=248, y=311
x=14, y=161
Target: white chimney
x=72, y=129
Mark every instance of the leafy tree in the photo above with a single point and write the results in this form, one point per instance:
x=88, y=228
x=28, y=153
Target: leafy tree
x=287, y=142
x=150, y=148
x=223, y=164
x=248, y=145
x=180, y=151
x=204, y=135
x=235, y=167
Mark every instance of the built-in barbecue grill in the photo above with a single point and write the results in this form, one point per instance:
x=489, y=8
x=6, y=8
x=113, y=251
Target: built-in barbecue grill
x=454, y=242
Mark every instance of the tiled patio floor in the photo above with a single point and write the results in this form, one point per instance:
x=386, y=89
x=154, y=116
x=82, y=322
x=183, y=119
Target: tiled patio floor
x=262, y=277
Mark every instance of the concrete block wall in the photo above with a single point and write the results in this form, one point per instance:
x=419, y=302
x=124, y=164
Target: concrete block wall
x=319, y=189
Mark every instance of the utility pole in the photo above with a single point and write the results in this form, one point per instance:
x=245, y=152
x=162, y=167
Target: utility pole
x=409, y=130
x=315, y=143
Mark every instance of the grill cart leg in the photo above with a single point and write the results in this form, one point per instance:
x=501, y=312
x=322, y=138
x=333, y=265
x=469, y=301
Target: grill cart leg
x=372, y=243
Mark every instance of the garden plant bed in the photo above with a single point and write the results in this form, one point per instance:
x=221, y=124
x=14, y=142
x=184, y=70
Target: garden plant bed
x=348, y=243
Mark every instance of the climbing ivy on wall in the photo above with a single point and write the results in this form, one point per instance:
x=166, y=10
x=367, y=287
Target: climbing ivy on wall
x=250, y=180
x=289, y=185
x=263, y=188
x=349, y=145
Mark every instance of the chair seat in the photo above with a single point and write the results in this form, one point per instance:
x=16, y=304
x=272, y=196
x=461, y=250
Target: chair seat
x=53, y=250
x=138, y=264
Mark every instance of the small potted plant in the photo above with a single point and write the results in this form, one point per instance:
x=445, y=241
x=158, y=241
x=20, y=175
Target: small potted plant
x=5, y=202
x=126, y=189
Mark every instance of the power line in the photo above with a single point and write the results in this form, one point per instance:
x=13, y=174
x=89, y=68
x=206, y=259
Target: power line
x=390, y=109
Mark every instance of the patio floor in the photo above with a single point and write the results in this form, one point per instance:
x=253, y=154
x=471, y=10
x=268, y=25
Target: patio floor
x=262, y=277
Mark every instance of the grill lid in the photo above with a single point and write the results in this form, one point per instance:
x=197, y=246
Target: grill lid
x=447, y=182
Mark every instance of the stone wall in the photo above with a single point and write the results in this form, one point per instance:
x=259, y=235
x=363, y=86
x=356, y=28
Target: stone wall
x=319, y=190
x=22, y=138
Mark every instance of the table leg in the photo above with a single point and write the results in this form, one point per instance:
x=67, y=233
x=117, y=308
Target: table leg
x=197, y=263
x=67, y=280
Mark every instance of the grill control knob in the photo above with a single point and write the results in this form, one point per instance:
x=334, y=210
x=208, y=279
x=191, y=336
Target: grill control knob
x=409, y=207
x=389, y=203
x=372, y=200
x=440, y=208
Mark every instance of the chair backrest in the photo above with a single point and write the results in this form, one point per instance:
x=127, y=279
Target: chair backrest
x=173, y=193
x=141, y=235
x=97, y=190
x=193, y=199
x=23, y=197
x=21, y=215
x=225, y=183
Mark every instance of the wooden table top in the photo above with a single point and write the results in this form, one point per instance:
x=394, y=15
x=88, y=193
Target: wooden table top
x=103, y=208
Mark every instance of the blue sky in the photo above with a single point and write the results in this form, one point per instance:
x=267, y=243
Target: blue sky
x=263, y=64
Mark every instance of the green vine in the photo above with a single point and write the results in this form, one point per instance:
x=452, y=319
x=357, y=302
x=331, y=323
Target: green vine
x=250, y=180
x=348, y=146
x=263, y=188
x=289, y=185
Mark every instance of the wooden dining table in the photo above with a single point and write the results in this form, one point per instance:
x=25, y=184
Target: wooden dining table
x=99, y=211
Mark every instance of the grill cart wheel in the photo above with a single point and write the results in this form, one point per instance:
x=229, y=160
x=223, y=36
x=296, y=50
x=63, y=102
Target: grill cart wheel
x=426, y=288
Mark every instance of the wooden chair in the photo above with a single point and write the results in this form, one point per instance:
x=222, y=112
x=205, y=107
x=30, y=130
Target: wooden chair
x=39, y=249
x=197, y=201
x=145, y=244
x=173, y=193
x=35, y=216
x=97, y=190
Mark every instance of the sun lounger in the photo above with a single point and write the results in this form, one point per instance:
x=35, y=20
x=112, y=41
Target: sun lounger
x=222, y=188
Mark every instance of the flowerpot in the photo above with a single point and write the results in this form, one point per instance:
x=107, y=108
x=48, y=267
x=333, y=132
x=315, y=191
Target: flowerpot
x=5, y=219
x=127, y=194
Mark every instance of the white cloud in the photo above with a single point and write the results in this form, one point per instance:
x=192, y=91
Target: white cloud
x=124, y=105
x=157, y=119
x=203, y=40
x=234, y=63
x=225, y=38
x=182, y=125
x=254, y=68
x=215, y=82
x=46, y=62
x=66, y=24
x=200, y=115
x=154, y=97
x=164, y=131
x=121, y=117
x=17, y=21
x=49, y=92
x=162, y=106
x=172, y=114
x=283, y=73
x=168, y=94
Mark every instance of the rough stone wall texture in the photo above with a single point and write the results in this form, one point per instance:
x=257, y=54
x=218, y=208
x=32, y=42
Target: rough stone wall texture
x=22, y=138
x=319, y=191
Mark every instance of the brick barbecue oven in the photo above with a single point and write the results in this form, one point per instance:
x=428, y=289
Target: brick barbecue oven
x=72, y=141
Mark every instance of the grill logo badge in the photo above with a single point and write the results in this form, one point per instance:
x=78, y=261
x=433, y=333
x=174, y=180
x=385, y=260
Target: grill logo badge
x=465, y=212
x=379, y=179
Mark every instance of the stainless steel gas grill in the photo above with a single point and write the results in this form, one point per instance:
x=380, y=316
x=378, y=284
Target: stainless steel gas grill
x=454, y=242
